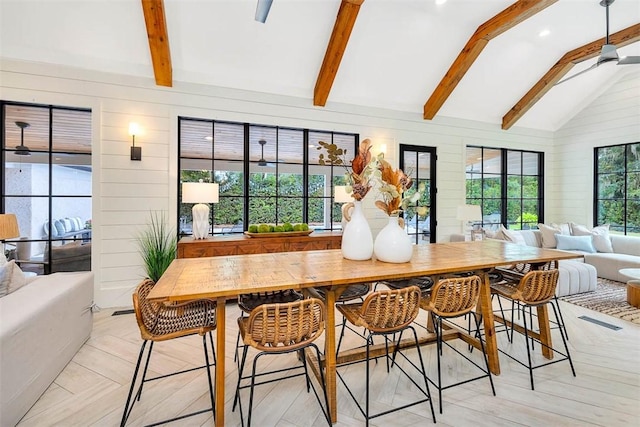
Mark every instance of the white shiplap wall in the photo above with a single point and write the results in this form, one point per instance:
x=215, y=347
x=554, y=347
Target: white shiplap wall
x=612, y=118
x=125, y=191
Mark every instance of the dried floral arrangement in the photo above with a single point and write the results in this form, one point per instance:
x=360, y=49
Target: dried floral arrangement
x=393, y=185
x=359, y=176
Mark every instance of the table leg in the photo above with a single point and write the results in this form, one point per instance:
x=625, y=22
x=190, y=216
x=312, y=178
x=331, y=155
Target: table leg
x=486, y=309
x=545, y=331
x=330, y=354
x=220, y=377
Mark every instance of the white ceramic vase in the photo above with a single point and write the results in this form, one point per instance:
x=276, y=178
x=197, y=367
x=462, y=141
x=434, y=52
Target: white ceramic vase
x=393, y=243
x=357, y=240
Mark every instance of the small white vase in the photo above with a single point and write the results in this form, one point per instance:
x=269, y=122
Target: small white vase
x=357, y=240
x=393, y=243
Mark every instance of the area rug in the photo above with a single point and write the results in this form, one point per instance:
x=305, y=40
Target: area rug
x=610, y=298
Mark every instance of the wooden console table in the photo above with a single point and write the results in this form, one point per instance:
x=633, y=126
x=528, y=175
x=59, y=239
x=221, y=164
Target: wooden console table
x=240, y=244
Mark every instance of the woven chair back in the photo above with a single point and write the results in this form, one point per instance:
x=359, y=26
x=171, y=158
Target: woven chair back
x=454, y=297
x=391, y=310
x=538, y=287
x=285, y=326
x=164, y=321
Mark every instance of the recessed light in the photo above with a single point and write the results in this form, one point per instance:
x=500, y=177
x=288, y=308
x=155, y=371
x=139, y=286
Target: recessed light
x=439, y=2
x=544, y=33
x=208, y=138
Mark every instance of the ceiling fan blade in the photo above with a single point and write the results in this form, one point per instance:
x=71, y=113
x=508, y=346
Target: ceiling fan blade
x=627, y=60
x=262, y=10
x=577, y=74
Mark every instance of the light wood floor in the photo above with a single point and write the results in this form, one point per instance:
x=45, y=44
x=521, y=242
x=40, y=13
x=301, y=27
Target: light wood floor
x=92, y=389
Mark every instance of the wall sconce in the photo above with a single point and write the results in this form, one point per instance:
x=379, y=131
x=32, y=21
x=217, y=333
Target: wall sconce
x=136, y=152
x=200, y=193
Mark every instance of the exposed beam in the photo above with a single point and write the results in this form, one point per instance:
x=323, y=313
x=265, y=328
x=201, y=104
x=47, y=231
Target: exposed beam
x=505, y=20
x=345, y=20
x=158, y=41
x=563, y=66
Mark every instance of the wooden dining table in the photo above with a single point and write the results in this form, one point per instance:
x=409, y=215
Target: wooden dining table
x=221, y=278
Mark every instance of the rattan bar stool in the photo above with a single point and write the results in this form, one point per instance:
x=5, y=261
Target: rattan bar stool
x=451, y=298
x=352, y=292
x=166, y=321
x=536, y=288
x=280, y=329
x=386, y=313
x=247, y=302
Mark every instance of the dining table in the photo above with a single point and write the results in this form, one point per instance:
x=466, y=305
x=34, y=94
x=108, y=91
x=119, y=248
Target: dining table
x=223, y=278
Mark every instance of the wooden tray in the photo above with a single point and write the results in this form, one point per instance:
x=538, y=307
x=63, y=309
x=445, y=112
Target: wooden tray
x=279, y=234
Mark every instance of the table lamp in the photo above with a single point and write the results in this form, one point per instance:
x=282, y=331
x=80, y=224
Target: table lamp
x=200, y=193
x=8, y=230
x=468, y=214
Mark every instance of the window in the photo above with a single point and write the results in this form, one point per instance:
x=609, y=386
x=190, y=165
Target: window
x=46, y=182
x=507, y=184
x=617, y=187
x=266, y=174
x=419, y=163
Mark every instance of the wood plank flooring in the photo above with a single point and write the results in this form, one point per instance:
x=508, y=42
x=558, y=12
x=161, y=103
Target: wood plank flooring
x=92, y=389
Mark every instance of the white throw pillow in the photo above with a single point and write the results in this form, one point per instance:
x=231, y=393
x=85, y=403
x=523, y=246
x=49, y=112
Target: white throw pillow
x=512, y=236
x=549, y=235
x=600, y=235
x=575, y=243
x=565, y=227
x=11, y=278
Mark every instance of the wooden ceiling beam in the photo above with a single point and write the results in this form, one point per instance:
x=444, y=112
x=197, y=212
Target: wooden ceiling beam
x=345, y=20
x=505, y=20
x=563, y=66
x=156, y=23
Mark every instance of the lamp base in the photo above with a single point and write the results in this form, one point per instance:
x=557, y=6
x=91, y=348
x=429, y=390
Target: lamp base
x=200, y=213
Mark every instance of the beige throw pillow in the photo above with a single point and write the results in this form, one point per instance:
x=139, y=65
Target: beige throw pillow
x=512, y=236
x=599, y=234
x=549, y=235
x=11, y=278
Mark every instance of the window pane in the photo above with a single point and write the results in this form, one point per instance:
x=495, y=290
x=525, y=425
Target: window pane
x=263, y=145
x=530, y=187
x=197, y=139
x=27, y=175
x=611, y=212
x=514, y=163
x=290, y=210
x=228, y=214
x=290, y=184
x=633, y=216
x=291, y=146
x=65, y=209
x=71, y=131
x=228, y=141
x=530, y=209
x=230, y=182
x=611, y=159
x=610, y=186
x=514, y=207
x=71, y=174
x=262, y=210
x=492, y=161
x=262, y=184
x=531, y=163
x=514, y=187
x=36, y=133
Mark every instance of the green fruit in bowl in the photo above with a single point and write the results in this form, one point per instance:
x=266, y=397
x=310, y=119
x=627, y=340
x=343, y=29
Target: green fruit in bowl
x=297, y=227
x=253, y=228
x=287, y=226
x=305, y=226
x=278, y=229
x=263, y=228
x=272, y=228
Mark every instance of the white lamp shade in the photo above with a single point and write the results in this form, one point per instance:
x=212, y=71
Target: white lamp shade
x=199, y=192
x=341, y=195
x=469, y=213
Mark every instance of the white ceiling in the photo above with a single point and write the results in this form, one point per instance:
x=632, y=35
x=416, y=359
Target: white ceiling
x=398, y=52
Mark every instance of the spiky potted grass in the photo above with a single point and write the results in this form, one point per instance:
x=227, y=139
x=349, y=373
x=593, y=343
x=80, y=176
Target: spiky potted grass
x=157, y=245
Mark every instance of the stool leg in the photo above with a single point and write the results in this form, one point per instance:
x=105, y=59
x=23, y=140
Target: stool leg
x=369, y=340
x=344, y=324
x=324, y=387
x=563, y=327
x=127, y=410
x=526, y=338
x=566, y=347
x=236, y=399
x=206, y=361
x=424, y=373
x=484, y=353
x=438, y=327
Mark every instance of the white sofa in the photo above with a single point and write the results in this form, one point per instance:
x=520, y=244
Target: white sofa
x=626, y=254
x=42, y=326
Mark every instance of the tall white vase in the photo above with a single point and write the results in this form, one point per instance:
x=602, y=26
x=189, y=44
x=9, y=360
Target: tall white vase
x=393, y=243
x=357, y=240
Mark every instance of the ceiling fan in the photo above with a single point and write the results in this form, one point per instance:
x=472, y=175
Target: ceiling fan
x=262, y=10
x=609, y=52
x=262, y=161
x=22, y=150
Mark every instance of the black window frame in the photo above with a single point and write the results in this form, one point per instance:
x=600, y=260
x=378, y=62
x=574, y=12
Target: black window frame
x=504, y=176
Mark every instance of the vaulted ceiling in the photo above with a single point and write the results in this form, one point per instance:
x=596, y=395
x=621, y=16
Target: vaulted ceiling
x=480, y=60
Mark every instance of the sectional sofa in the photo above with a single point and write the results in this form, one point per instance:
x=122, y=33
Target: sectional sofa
x=603, y=254
x=42, y=326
